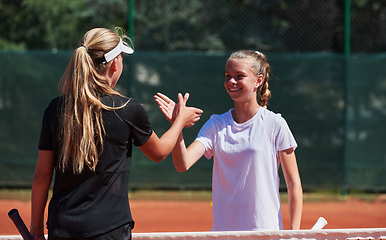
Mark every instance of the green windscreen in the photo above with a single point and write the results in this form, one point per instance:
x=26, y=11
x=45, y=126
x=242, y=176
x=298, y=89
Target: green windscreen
x=335, y=107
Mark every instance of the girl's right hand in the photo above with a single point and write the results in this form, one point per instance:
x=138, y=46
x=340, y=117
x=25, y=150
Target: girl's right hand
x=171, y=110
x=190, y=114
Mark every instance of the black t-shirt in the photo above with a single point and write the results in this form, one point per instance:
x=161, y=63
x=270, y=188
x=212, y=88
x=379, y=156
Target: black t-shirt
x=95, y=202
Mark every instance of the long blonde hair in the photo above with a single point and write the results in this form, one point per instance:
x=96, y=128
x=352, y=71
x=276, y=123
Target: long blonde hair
x=83, y=85
x=259, y=66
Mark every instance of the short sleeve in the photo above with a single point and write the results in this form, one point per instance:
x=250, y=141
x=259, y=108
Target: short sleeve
x=46, y=134
x=206, y=137
x=140, y=126
x=284, y=138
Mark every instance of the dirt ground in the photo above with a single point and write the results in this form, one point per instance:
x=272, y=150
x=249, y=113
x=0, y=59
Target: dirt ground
x=184, y=215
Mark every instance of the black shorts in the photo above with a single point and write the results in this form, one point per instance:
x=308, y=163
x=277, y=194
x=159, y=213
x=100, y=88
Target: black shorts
x=120, y=233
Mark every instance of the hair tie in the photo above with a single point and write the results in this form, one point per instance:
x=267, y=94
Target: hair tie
x=85, y=47
x=258, y=53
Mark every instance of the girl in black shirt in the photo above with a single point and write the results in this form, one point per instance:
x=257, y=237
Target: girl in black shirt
x=87, y=136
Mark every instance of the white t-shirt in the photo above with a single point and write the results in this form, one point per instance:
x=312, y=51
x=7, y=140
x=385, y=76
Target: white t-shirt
x=245, y=183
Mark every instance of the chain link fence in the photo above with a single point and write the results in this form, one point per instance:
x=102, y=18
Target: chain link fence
x=199, y=25
x=335, y=104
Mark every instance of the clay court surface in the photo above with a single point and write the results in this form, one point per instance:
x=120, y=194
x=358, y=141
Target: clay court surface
x=191, y=212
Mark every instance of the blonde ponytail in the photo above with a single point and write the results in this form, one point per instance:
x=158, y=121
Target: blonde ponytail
x=83, y=85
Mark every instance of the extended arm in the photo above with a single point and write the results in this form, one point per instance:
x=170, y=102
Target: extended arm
x=40, y=187
x=157, y=149
x=294, y=187
x=169, y=108
x=183, y=157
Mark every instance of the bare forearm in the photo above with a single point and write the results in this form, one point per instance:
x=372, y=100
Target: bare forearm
x=157, y=149
x=40, y=187
x=183, y=157
x=170, y=137
x=295, y=204
x=39, y=199
x=180, y=155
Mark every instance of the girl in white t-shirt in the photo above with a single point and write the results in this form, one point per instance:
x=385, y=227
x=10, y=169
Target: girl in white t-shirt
x=247, y=143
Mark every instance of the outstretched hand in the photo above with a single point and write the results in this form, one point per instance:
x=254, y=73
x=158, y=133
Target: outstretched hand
x=167, y=106
x=171, y=110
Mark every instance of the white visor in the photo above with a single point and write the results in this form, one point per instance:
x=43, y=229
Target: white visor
x=117, y=50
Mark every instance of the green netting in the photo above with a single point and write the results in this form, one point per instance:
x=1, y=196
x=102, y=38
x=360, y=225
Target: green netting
x=365, y=154
x=339, y=146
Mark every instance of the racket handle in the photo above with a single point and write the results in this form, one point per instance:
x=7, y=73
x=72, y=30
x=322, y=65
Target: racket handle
x=319, y=224
x=23, y=230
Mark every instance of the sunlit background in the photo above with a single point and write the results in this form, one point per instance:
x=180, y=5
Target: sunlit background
x=328, y=77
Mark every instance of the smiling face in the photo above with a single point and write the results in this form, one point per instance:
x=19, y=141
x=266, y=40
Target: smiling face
x=240, y=82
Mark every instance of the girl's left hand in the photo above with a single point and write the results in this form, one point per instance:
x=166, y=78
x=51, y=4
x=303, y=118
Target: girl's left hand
x=170, y=109
x=167, y=106
x=37, y=233
x=41, y=237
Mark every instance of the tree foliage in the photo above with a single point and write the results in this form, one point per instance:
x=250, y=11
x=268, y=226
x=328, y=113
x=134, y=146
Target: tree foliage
x=54, y=24
x=198, y=25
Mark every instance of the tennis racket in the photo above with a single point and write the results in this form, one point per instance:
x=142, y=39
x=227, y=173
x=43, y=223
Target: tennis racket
x=19, y=223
